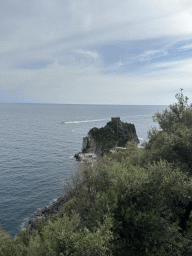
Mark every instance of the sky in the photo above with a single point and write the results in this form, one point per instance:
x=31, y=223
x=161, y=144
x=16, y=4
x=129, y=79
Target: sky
x=95, y=52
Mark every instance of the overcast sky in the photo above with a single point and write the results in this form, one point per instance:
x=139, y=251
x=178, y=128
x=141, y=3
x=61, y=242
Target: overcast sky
x=95, y=51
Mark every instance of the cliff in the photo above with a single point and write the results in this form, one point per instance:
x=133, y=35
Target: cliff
x=100, y=140
x=91, y=145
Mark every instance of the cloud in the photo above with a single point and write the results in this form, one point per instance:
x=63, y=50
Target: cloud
x=51, y=50
x=87, y=53
x=58, y=83
x=178, y=67
x=41, y=22
x=151, y=54
x=186, y=47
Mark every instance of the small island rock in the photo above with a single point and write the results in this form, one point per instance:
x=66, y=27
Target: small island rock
x=101, y=140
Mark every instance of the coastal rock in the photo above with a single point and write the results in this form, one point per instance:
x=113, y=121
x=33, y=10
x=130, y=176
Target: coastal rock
x=100, y=140
x=85, y=156
x=90, y=145
x=44, y=213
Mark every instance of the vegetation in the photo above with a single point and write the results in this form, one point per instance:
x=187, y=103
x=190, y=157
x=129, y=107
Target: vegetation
x=132, y=202
x=174, y=141
x=112, y=135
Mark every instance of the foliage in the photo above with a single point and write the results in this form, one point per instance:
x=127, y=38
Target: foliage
x=66, y=237
x=144, y=203
x=112, y=135
x=180, y=112
x=174, y=141
x=11, y=247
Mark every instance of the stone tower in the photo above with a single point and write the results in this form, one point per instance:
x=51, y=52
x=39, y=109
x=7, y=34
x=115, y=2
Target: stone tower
x=116, y=120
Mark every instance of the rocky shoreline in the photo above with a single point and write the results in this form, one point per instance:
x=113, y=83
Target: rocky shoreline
x=43, y=214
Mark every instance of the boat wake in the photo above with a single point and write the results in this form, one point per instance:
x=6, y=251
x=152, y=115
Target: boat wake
x=84, y=121
x=96, y=120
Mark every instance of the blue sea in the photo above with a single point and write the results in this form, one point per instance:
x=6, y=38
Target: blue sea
x=37, y=145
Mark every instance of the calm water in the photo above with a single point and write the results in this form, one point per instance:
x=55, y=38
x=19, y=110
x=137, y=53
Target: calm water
x=37, y=145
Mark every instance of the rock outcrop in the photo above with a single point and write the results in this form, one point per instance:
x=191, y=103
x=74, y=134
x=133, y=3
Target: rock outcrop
x=90, y=145
x=101, y=140
x=43, y=214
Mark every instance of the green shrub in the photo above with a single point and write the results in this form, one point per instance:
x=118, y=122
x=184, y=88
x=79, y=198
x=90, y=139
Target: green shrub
x=67, y=237
x=11, y=247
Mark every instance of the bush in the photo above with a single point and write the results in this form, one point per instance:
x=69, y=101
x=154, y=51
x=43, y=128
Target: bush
x=11, y=247
x=66, y=236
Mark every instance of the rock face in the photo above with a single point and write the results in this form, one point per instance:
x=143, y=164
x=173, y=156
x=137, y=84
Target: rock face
x=44, y=213
x=90, y=145
x=115, y=133
x=90, y=149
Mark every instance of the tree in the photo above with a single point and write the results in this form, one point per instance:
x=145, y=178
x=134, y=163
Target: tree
x=180, y=112
x=173, y=142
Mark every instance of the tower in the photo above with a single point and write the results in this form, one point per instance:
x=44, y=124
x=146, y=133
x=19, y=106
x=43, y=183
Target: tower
x=116, y=120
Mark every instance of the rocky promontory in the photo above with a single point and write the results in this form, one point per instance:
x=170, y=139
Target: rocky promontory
x=101, y=140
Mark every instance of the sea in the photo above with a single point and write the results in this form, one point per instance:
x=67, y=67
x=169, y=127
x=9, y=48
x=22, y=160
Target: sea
x=37, y=147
